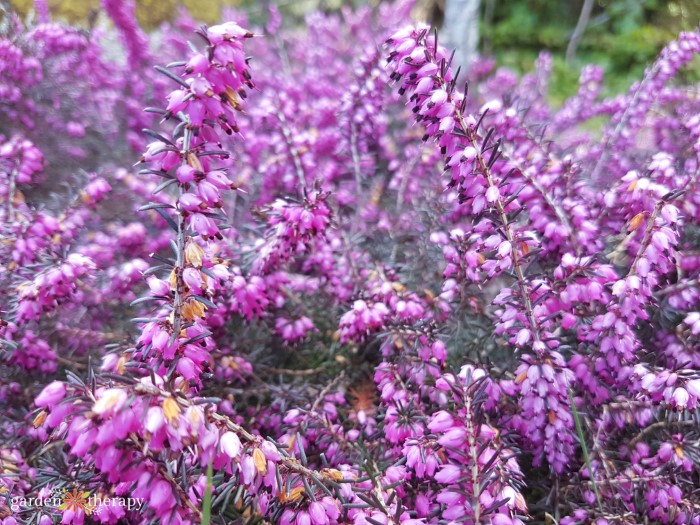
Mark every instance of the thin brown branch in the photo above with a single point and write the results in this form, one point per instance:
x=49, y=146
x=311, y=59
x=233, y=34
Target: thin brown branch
x=296, y=159
x=658, y=426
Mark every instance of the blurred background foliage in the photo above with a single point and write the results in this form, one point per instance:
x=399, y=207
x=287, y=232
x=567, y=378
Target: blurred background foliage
x=150, y=13
x=623, y=36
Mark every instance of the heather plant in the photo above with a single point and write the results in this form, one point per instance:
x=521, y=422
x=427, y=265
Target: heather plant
x=324, y=277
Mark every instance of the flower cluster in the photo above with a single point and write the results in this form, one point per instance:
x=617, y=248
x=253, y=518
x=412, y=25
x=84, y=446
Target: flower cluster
x=293, y=229
x=49, y=288
x=283, y=313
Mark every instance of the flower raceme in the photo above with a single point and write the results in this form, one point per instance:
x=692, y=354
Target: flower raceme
x=176, y=343
x=211, y=86
x=488, y=189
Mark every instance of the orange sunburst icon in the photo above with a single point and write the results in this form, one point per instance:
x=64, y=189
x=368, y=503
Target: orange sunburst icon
x=75, y=501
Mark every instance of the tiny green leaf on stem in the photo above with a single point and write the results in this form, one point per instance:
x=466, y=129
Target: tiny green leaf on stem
x=172, y=76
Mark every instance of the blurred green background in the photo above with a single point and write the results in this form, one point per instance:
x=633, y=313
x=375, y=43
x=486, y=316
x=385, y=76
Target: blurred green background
x=623, y=36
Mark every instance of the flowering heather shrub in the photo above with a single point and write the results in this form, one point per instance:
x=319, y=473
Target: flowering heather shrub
x=342, y=282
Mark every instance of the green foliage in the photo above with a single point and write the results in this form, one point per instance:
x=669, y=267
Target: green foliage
x=584, y=448
x=525, y=27
x=622, y=36
x=206, y=503
x=150, y=13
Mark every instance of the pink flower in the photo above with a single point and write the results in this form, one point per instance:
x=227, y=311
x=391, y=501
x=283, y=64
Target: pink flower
x=109, y=401
x=318, y=515
x=693, y=388
x=230, y=445
x=161, y=497
x=441, y=421
x=455, y=437
x=52, y=394
x=158, y=287
x=680, y=397
x=448, y=474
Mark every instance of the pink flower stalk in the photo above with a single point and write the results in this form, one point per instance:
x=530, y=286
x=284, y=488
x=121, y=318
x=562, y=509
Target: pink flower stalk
x=424, y=73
